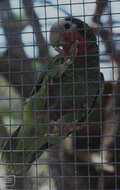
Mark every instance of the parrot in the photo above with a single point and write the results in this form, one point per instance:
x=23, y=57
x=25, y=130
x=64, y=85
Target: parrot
x=76, y=42
x=63, y=97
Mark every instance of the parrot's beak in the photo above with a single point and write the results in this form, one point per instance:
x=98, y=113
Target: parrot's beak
x=73, y=50
x=60, y=50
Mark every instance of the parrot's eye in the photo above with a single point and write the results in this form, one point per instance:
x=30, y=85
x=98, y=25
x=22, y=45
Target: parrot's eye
x=67, y=26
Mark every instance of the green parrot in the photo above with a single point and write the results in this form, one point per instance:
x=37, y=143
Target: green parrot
x=64, y=96
x=37, y=132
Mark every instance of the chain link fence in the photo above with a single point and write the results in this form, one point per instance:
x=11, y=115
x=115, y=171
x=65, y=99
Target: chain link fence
x=59, y=94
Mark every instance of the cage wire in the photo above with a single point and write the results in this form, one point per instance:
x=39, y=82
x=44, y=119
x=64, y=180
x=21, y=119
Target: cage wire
x=59, y=119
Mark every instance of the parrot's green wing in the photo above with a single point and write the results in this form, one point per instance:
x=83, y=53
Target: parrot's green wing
x=38, y=83
x=31, y=138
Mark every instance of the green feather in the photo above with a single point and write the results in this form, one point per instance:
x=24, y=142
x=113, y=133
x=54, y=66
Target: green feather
x=74, y=92
x=32, y=135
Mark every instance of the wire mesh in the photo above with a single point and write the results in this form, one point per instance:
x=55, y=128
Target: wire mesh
x=59, y=119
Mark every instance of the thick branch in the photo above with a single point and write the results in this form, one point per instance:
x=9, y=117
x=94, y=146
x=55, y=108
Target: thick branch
x=19, y=73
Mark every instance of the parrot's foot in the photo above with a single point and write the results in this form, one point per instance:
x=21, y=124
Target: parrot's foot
x=55, y=127
x=50, y=135
x=64, y=128
x=73, y=53
x=68, y=61
x=73, y=50
x=60, y=50
x=65, y=65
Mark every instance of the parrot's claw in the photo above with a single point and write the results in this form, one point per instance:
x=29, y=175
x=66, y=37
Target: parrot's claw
x=73, y=49
x=68, y=61
x=62, y=128
x=65, y=65
x=60, y=50
x=55, y=127
x=51, y=135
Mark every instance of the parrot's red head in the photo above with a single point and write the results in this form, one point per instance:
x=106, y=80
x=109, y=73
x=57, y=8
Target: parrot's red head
x=72, y=37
